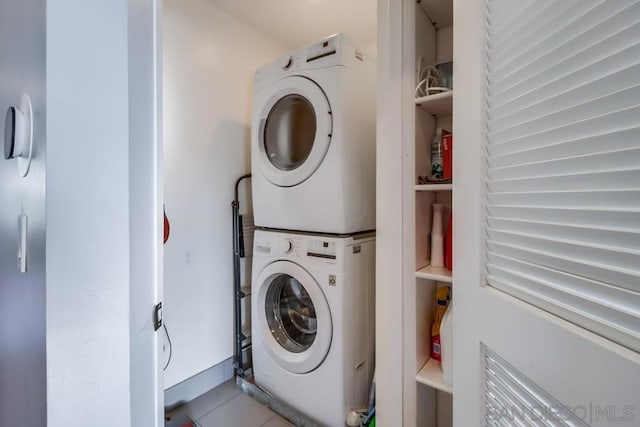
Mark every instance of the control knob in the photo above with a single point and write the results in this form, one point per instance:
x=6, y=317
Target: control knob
x=285, y=62
x=286, y=246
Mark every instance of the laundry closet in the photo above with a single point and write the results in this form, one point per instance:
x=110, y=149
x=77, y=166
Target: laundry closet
x=295, y=106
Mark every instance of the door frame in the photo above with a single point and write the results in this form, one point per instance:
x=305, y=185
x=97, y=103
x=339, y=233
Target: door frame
x=145, y=210
x=396, y=387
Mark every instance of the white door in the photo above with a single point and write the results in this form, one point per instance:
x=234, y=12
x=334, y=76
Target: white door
x=293, y=316
x=547, y=243
x=293, y=131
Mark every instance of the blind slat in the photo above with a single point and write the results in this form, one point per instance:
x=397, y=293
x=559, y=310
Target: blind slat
x=616, y=258
x=626, y=221
x=531, y=20
x=593, y=315
x=527, y=391
x=554, y=80
x=587, y=200
x=586, y=235
x=625, y=160
x=504, y=24
x=511, y=398
x=612, y=219
x=612, y=25
x=610, y=122
x=575, y=113
x=566, y=14
x=622, y=278
x=596, y=181
x=608, y=296
x=501, y=393
x=604, y=85
x=620, y=140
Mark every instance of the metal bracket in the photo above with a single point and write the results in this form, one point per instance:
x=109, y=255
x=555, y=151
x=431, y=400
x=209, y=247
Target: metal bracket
x=157, y=316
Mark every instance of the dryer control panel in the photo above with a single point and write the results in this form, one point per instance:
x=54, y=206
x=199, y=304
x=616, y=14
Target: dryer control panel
x=332, y=51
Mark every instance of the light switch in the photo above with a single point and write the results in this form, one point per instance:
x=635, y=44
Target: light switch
x=22, y=243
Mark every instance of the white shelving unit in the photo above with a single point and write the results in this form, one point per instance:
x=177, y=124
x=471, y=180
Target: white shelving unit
x=411, y=388
x=433, y=45
x=431, y=375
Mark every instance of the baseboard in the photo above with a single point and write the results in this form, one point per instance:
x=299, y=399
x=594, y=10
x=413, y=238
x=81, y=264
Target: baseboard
x=198, y=384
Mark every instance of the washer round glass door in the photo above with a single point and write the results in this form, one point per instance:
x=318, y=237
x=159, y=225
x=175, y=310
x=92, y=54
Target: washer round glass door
x=294, y=317
x=291, y=315
x=294, y=131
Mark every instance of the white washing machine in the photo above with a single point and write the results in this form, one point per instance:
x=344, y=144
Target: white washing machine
x=313, y=321
x=313, y=140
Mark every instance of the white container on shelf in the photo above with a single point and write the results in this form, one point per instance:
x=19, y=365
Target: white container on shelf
x=437, y=241
x=446, y=345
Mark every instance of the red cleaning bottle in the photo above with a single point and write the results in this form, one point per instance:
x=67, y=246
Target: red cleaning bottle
x=448, y=244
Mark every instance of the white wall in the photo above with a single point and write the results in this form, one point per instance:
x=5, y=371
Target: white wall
x=209, y=62
x=88, y=217
x=103, y=214
x=22, y=296
x=299, y=23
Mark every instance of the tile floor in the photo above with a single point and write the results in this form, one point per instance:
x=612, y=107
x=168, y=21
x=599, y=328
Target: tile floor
x=227, y=406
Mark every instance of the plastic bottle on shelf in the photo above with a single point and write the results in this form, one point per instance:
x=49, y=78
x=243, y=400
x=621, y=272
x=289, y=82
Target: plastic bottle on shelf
x=436, y=155
x=437, y=241
x=442, y=300
x=446, y=345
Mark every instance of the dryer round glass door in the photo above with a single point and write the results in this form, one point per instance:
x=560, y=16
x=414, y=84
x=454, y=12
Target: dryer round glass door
x=289, y=132
x=294, y=317
x=293, y=131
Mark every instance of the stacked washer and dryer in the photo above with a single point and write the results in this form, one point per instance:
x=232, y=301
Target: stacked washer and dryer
x=313, y=174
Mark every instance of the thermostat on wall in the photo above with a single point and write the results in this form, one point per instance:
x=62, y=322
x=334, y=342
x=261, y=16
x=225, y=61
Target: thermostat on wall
x=18, y=134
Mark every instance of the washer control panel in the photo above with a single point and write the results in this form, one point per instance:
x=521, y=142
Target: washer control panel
x=312, y=248
x=322, y=249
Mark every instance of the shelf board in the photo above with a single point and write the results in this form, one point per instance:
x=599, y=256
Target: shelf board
x=434, y=187
x=440, y=274
x=431, y=375
x=439, y=104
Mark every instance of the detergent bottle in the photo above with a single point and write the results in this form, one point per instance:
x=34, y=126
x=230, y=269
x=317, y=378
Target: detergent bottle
x=442, y=300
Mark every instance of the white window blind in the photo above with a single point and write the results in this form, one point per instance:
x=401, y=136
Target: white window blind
x=563, y=159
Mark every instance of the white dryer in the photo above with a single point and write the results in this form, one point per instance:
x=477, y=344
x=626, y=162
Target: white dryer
x=313, y=140
x=313, y=321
